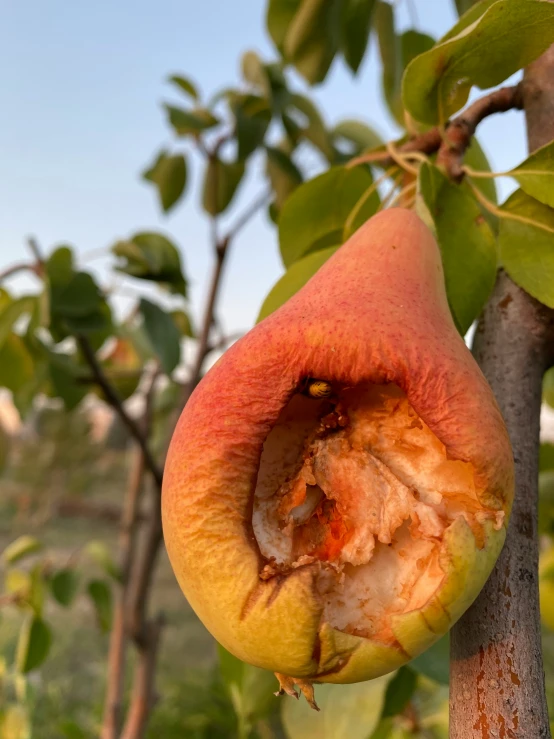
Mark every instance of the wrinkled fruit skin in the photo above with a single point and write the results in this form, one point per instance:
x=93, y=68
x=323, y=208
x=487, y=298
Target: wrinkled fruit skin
x=375, y=324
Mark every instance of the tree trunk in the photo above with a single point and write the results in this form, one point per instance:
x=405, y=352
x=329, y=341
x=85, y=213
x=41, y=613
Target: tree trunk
x=496, y=673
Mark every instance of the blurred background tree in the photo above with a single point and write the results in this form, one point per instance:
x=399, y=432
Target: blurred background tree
x=101, y=346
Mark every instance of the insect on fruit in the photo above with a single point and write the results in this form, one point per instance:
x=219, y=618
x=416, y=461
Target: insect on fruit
x=318, y=389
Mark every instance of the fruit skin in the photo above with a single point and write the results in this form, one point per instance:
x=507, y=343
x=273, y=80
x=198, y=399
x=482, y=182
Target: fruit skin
x=375, y=312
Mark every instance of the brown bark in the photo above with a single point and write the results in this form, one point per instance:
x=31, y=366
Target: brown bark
x=496, y=676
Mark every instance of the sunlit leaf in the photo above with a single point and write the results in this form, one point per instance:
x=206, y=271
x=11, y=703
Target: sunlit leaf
x=546, y=503
x=316, y=212
x=526, y=241
x=99, y=552
x=169, y=174
x=347, y=711
x=33, y=644
x=17, y=366
x=21, y=547
x=11, y=311
x=162, y=333
x=183, y=322
x=536, y=174
x=278, y=19
x=294, y=278
x=15, y=722
x=504, y=39
x=357, y=136
x=467, y=244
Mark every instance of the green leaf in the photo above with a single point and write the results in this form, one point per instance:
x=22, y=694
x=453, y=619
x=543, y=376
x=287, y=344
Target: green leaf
x=548, y=387
x=435, y=661
x=17, y=366
x=64, y=585
x=33, y=644
x=546, y=457
x=319, y=208
x=101, y=555
x=312, y=38
x=250, y=688
x=476, y=158
x=190, y=122
x=64, y=376
x=254, y=72
x=525, y=242
x=253, y=116
x=546, y=502
x=21, y=547
x=536, y=174
x=151, y=256
x=101, y=596
x=357, y=135
x=508, y=36
x=347, y=711
x=169, y=174
x=283, y=174
x=220, y=184
x=462, y=6
x=280, y=14
x=466, y=242
x=37, y=589
x=11, y=312
x=294, y=278
x=162, y=333
x=399, y=692
x=185, y=85
x=355, y=30
x=470, y=16
x=313, y=126
x=183, y=323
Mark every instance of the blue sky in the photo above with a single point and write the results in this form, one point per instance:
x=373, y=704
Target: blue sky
x=81, y=88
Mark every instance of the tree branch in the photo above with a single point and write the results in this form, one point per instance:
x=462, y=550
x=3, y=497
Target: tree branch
x=451, y=144
x=496, y=674
x=113, y=399
x=15, y=269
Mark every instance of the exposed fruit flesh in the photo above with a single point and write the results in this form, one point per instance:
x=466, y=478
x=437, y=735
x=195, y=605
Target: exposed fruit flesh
x=359, y=485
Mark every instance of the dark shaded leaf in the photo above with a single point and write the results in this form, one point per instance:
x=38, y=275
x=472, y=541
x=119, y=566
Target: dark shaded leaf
x=183, y=323
x=253, y=116
x=64, y=585
x=151, y=256
x=283, y=174
x=356, y=18
x=162, y=333
x=313, y=126
x=33, y=644
x=399, y=692
x=169, y=174
x=546, y=457
x=221, y=182
x=190, y=122
x=101, y=596
x=435, y=661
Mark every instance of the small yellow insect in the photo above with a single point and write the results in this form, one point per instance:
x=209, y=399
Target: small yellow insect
x=318, y=389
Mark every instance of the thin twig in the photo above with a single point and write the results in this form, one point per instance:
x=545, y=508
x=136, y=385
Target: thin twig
x=114, y=400
x=15, y=269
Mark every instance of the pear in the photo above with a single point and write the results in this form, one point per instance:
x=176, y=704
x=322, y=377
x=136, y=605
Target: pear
x=338, y=487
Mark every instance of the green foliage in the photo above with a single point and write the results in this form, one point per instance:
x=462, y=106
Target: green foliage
x=347, y=711
x=397, y=51
x=253, y=116
x=100, y=554
x=352, y=137
x=314, y=216
x=355, y=27
x=169, y=174
x=101, y=596
x=163, y=334
x=283, y=174
x=190, y=122
x=467, y=244
x=546, y=502
x=399, y=692
x=509, y=35
x=462, y=6
x=185, y=85
x=64, y=585
x=34, y=643
x=153, y=257
x=536, y=174
x=525, y=244
x=434, y=663
x=476, y=158
x=221, y=181
x=22, y=547
x=294, y=278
